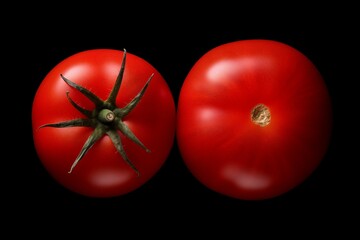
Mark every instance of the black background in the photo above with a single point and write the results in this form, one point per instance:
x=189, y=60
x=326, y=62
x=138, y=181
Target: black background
x=172, y=38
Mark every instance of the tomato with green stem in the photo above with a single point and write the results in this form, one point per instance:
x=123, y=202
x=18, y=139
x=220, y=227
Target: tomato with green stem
x=103, y=122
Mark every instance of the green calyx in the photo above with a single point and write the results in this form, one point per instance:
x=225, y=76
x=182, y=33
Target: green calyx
x=106, y=118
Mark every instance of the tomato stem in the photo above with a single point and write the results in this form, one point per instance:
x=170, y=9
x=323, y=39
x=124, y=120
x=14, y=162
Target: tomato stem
x=106, y=116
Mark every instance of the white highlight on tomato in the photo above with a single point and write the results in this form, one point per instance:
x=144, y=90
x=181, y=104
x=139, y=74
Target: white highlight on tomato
x=106, y=178
x=230, y=68
x=245, y=179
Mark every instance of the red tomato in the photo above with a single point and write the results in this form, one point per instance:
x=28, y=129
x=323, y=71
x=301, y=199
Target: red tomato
x=118, y=99
x=254, y=119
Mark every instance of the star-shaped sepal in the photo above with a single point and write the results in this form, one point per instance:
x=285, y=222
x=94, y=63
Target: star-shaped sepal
x=105, y=119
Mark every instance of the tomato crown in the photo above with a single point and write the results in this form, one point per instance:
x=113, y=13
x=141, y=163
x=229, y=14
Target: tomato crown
x=105, y=119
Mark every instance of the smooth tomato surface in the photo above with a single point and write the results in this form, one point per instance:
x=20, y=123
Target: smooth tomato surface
x=102, y=172
x=254, y=119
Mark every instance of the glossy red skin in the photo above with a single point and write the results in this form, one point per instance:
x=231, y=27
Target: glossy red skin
x=220, y=144
x=102, y=172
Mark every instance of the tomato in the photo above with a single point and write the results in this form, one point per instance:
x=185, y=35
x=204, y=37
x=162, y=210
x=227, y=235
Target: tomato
x=254, y=119
x=103, y=122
